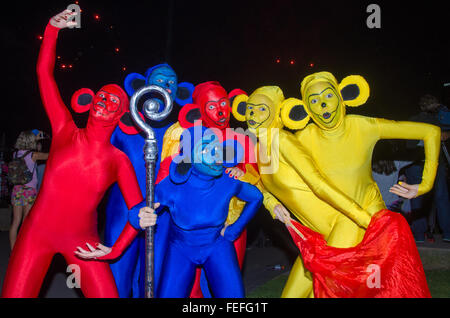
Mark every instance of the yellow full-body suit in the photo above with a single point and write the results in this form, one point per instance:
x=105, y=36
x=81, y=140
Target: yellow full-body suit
x=303, y=172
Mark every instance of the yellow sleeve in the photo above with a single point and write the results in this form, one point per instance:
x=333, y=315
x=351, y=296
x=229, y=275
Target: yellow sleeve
x=299, y=159
x=269, y=200
x=171, y=141
x=431, y=136
x=236, y=205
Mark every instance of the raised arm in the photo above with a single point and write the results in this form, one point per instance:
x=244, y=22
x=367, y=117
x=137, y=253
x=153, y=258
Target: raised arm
x=431, y=136
x=301, y=161
x=57, y=112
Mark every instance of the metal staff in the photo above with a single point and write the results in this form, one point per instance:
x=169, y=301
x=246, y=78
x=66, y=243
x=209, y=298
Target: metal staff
x=150, y=110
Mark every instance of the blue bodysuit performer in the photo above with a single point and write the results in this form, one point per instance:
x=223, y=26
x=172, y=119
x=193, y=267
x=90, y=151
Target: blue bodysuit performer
x=197, y=193
x=128, y=269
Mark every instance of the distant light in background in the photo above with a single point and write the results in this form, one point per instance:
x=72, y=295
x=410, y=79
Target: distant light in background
x=292, y=62
x=40, y=37
x=97, y=17
x=278, y=61
x=117, y=49
x=124, y=68
x=63, y=66
x=311, y=64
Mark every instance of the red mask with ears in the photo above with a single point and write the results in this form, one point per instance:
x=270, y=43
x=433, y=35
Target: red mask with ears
x=108, y=105
x=214, y=104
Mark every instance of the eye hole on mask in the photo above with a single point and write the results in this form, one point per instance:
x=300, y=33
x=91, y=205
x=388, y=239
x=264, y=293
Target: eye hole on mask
x=329, y=95
x=263, y=109
x=159, y=80
x=211, y=107
x=223, y=104
x=171, y=82
x=314, y=101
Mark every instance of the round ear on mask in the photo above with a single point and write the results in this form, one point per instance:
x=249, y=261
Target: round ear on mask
x=354, y=90
x=294, y=114
x=179, y=170
x=82, y=100
x=188, y=115
x=127, y=125
x=184, y=93
x=235, y=92
x=233, y=153
x=133, y=82
x=239, y=107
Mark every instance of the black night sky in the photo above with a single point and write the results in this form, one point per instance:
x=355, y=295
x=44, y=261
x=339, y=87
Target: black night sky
x=234, y=42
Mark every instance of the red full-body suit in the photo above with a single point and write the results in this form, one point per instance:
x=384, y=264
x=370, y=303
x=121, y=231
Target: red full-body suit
x=81, y=166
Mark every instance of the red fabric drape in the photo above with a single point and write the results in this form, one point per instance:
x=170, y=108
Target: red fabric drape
x=385, y=264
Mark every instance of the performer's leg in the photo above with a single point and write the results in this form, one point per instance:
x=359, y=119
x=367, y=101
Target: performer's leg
x=177, y=275
x=27, y=267
x=201, y=286
x=16, y=220
x=223, y=272
x=240, y=245
x=96, y=279
x=442, y=201
x=299, y=283
x=345, y=233
x=161, y=244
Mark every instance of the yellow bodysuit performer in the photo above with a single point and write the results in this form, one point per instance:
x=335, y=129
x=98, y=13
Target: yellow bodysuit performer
x=340, y=211
x=288, y=175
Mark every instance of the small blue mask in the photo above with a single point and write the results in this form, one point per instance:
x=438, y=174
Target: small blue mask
x=207, y=156
x=164, y=77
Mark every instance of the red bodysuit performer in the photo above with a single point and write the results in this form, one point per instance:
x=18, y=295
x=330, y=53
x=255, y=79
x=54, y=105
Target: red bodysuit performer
x=81, y=166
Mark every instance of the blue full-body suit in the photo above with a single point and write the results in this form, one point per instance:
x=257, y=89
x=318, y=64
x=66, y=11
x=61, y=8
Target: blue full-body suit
x=128, y=270
x=198, y=205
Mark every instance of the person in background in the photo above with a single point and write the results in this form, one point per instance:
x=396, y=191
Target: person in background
x=23, y=195
x=43, y=145
x=386, y=173
x=388, y=164
x=431, y=112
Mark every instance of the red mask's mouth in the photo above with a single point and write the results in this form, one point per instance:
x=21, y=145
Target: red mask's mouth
x=99, y=107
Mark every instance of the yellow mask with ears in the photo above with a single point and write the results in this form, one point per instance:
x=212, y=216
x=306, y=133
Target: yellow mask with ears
x=266, y=108
x=325, y=99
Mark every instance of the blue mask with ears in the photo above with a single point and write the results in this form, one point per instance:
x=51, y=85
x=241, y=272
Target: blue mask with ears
x=163, y=76
x=207, y=156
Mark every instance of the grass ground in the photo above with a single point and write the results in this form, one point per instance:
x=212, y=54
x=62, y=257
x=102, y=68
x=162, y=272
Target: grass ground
x=438, y=283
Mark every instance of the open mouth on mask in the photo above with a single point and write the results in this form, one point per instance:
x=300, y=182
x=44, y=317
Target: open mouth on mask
x=169, y=90
x=222, y=120
x=326, y=115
